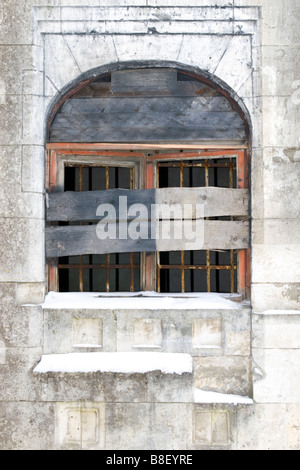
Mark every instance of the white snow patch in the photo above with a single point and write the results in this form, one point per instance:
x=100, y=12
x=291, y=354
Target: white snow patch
x=137, y=300
x=202, y=396
x=124, y=362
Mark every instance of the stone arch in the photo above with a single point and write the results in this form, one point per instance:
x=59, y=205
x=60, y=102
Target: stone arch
x=239, y=114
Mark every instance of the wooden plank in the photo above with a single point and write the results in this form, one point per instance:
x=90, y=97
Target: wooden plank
x=212, y=235
x=188, y=106
x=144, y=79
x=82, y=206
x=216, y=202
x=99, y=147
x=150, y=135
x=82, y=240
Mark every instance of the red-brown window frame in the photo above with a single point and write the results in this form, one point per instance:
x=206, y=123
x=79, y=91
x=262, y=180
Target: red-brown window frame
x=149, y=155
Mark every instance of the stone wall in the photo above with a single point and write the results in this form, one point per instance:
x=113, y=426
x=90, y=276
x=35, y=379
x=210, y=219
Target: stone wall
x=252, y=46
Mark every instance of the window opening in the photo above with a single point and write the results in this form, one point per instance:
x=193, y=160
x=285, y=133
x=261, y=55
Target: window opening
x=197, y=271
x=99, y=273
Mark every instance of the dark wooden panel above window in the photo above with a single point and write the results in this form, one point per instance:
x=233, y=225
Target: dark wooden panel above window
x=148, y=105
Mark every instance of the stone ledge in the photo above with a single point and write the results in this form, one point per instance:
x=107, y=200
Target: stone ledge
x=142, y=300
x=128, y=363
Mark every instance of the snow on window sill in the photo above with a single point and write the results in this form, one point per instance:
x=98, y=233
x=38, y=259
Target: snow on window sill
x=141, y=300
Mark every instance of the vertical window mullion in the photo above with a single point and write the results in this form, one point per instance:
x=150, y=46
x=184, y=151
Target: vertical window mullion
x=107, y=255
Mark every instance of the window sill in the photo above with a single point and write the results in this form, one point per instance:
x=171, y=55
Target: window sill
x=143, y=300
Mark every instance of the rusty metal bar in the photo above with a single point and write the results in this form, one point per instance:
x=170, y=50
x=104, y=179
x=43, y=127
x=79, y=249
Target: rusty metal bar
x=182, y=273
x=196, y=267
x=80, y=258
x=97, y=266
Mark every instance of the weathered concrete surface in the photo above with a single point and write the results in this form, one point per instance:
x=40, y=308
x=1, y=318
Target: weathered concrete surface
x=252, y=46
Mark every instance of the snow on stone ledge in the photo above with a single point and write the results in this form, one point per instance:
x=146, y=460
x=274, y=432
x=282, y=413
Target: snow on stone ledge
x=202, y=396
x=138, y=300
x=124, y=362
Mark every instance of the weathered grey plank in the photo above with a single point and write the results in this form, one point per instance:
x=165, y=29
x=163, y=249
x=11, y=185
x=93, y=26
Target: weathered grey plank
x=189, y=106
x=81, y=240
x=183, y=88
x=144, y=79
x=236, y=137
x=210, y=235
x=82, y=206
x=216, y=202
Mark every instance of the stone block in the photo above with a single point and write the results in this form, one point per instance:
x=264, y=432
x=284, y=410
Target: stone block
x=148, y=426
x=235, y=66
x=14, y=60
x=21, y=326
x=16, y=24
x=11, y=121
x=279, y=28
x=169, y=388
x=74, y=330
x=60, y=64
x=280, y=382
x=267, y=296
x=276, y=330
x=193, y=46
x=26, y=425
x=281, y=182
x=261, y=427
x=80, y=426
x=191, y=3
x=33, y=126
x=87, y=332
x=276, y=263
x=238, y=343
x=22, y=252
x=229, y=375
x=90, y=51
x=172, y=425
x=279, y=70
x=33, y=169
x=2, y=351
x=212, y=428
x=148, y=47
x=293, y=427
x=276, y=231
x=30, y=293
x=17, y=382
x=281, y=118
x=147, y=333
x=207, y=333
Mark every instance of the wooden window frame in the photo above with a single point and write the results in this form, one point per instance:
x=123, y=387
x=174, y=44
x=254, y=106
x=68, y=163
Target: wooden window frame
x=144, y=157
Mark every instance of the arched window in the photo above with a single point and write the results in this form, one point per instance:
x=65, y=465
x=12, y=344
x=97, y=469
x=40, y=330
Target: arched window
x=154, y=134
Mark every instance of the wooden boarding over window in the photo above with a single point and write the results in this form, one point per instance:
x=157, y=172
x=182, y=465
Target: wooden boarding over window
x=212, y=234
x=81, y=206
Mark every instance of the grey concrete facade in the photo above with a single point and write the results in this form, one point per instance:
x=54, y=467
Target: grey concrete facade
x=253, y=47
